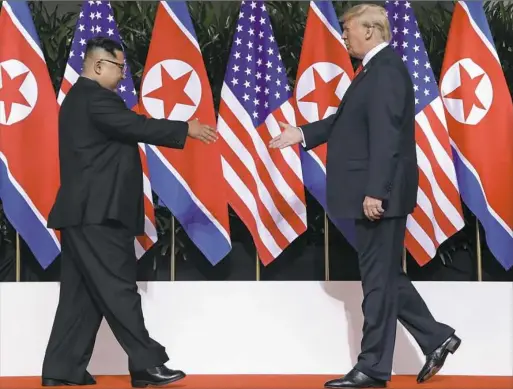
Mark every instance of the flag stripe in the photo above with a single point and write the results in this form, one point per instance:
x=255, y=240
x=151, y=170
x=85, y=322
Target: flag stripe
x=242, y=199
x=241, y=161
x=278, y=169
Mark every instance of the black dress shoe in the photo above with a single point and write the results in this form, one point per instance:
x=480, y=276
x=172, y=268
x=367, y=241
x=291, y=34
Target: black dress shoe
x=88, y=380
x=356, y=379
x=436, y=359
x=155, y=376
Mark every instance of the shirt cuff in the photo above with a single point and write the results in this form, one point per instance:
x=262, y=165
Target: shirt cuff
x=302, y=136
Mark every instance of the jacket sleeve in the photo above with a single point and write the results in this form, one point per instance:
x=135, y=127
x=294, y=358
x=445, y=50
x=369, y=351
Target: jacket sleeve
x=385, y=117
x=317, y=133
x=116, y=120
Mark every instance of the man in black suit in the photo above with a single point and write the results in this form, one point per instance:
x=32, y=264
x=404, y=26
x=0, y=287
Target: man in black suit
x=372, y=177
x=99, y=210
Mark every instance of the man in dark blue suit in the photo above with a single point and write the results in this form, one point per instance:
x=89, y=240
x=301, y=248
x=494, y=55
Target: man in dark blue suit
x=372, y=177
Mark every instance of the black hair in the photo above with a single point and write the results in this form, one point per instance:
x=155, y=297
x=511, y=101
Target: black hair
x=100, y=42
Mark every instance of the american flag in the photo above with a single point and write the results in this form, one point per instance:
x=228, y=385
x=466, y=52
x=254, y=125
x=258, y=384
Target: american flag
x=265, y=186
x=97, y=19
x=438, y=214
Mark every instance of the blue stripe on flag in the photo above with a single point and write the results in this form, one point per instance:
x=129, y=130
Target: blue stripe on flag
x=499, y=241
x=24, y=16
x=477, y=13
x=327, y=9
x=182, y=12
x=25, y=222
x=200, y=229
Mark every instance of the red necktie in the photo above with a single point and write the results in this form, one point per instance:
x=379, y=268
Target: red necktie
x=358, y=70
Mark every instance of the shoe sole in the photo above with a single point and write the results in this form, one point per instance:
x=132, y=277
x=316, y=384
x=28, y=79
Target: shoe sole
x=145, y=384
x=453, y=345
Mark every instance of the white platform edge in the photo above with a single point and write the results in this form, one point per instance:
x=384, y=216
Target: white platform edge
x=266, y=327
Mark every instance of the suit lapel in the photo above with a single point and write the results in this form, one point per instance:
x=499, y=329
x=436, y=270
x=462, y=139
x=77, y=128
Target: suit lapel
x=372, y=63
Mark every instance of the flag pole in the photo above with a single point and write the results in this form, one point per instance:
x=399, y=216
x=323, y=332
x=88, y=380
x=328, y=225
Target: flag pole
x=405, y=269
x=173, y=259
x=326, y=249
x=478, y=251
x=18, y=258
x=257, y=267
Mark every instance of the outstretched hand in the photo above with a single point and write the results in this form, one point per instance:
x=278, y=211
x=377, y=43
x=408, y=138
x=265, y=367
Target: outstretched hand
x=290, y=136
x=202, y=132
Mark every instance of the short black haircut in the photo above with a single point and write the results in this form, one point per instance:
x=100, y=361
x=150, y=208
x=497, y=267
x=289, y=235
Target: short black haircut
x=100, y=42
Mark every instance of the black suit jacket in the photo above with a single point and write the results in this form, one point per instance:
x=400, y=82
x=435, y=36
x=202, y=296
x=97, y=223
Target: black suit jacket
x=100, y=166
x=371, y=141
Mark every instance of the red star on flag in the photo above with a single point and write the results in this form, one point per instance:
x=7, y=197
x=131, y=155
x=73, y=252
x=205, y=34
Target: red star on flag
x=172, y=91
x=466, y=92
x=324, y=93
x=10, y=91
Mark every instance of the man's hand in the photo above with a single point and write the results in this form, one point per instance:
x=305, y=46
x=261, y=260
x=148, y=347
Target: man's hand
x=372, y=208
x=202, y=132
x=290, y=136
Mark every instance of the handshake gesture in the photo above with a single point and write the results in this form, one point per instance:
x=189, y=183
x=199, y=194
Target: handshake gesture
x=289, y=137
x=202, y=132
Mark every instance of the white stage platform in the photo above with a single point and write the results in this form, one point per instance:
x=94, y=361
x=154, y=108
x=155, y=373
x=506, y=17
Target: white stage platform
x=266, y=327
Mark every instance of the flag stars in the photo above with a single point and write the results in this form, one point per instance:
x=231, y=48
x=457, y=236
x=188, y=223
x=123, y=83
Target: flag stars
x=427, y=79
x=250, y=45
x=110, y=18
x=247, y=84
x=248, y=71
x=252, y=18
x=245, y=97
x=234, y=81
x=235, y=68
x=249, y=58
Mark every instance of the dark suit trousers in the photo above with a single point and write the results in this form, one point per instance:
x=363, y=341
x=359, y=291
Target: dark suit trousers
x=98, y=279
x=389, y=295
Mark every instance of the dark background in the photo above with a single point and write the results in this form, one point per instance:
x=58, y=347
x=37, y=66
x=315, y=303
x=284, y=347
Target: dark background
x=307, y=257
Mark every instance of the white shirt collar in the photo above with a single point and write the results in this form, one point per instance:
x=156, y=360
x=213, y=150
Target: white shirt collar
x=373, y=52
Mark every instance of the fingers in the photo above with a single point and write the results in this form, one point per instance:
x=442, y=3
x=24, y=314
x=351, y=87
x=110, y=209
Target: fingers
x=372, y=210
x=276, y=142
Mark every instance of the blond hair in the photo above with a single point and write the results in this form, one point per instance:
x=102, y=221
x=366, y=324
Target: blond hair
x=370, y=15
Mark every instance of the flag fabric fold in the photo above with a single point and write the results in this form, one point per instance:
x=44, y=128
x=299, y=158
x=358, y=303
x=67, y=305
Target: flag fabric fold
x=438, y=214
x=175, y=86
x=29, y=158
x=265, y=186
x=324, y=73
x=479, y=112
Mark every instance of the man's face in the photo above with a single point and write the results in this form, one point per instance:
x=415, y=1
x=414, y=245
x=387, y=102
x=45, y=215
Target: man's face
x=354, y=38
x=110, y=70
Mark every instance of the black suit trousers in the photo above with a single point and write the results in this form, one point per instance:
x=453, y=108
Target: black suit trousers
x=389, y=296
x=98, y=279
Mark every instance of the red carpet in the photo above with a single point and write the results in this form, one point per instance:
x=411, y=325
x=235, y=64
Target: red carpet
x=276, y=382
